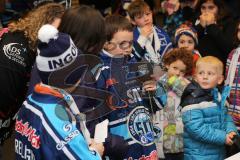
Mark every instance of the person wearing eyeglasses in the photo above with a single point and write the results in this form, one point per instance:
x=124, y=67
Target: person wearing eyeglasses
x=132, y=99
x=215, y=28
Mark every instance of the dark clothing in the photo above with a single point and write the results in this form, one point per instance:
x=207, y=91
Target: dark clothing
x=194, y=94
x=16, y=60
x=216, y=39
x=174, y=156
x=17, y=8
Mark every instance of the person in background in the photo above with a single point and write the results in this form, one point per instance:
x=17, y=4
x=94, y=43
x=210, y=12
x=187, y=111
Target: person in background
x=215, y=28
x=233, y=80
x=188, y=8
x=178, y=63
x=150, y=42
x=186, y=37
x=12, y=10
x=207, y=125
x=18, y=51
x=173, y=16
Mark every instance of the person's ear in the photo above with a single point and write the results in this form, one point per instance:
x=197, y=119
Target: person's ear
x=133, y=22
x=220, y=79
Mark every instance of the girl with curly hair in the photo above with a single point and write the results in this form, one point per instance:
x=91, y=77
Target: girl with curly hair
x=17, y=55
x=178, y=63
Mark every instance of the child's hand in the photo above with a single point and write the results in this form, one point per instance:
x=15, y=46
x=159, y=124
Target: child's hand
x=203, y=21
x=97, y=147
x=150, y=85
x=232, y=134
x=228, y=140
x=146, y=30
x=210, y=19
x=207, y=19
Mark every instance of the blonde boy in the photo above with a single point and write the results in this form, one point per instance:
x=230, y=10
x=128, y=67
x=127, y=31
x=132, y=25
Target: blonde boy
x=207, y=126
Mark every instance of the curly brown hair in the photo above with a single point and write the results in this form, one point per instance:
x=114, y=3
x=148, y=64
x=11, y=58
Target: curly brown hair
x=179, y=54
x=31, y=23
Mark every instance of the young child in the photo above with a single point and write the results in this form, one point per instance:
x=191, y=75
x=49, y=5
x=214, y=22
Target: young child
x=207, y=126
x=150, y=42
x=49, y=124
x=178, y=62
x=130, y=117
x=186, y=37
x=233, y=80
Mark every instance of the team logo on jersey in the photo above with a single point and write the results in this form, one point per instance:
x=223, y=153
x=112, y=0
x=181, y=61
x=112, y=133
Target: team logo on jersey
x=13, y=52
x=140, y=126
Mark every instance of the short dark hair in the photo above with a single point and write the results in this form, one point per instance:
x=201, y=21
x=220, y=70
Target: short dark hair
x=181, y=54
x=115, y=23
x=136, y=8
x=86, y=27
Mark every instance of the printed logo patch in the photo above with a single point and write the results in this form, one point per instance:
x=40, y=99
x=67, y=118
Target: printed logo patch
x=140, y=126
x=13, y=52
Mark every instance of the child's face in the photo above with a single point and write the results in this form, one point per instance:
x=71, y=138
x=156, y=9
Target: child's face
x=143, y=20
x=238, y=32
x=177, y=68
x=209, y=7
x=186, y=42
x=208, y=76
x=120, y=44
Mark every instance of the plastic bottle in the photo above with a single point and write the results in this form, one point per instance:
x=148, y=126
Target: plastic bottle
x=163, y=80
x=177, y=84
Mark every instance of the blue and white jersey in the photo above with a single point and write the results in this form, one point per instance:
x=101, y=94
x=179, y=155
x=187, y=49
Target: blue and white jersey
x=46, y=130
x=151, y=48
x=132, y=106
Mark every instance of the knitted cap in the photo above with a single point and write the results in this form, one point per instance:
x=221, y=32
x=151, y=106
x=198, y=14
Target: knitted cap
x=55, y=51
x=186, y=30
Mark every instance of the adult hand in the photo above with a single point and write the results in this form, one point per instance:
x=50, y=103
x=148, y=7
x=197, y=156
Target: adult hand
x=97, y=147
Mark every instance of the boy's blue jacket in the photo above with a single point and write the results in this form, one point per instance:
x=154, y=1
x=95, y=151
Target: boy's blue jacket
x=45, y=130
x=130, y=118
x=206, y=123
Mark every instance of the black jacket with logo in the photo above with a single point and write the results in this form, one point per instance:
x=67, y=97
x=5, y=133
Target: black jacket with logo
x=16, y=59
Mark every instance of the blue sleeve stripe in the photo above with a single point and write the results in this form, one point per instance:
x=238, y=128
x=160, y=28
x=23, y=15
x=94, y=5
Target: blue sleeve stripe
x=48, y=129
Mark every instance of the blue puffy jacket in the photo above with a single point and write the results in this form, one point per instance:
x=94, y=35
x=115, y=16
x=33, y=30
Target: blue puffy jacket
x=206, y=124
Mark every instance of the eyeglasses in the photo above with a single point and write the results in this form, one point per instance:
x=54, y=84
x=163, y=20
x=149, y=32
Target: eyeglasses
x=122, y=45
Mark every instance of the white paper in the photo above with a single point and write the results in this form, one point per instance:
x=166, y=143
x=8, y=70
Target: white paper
x=101, y=131
x=234, y=157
